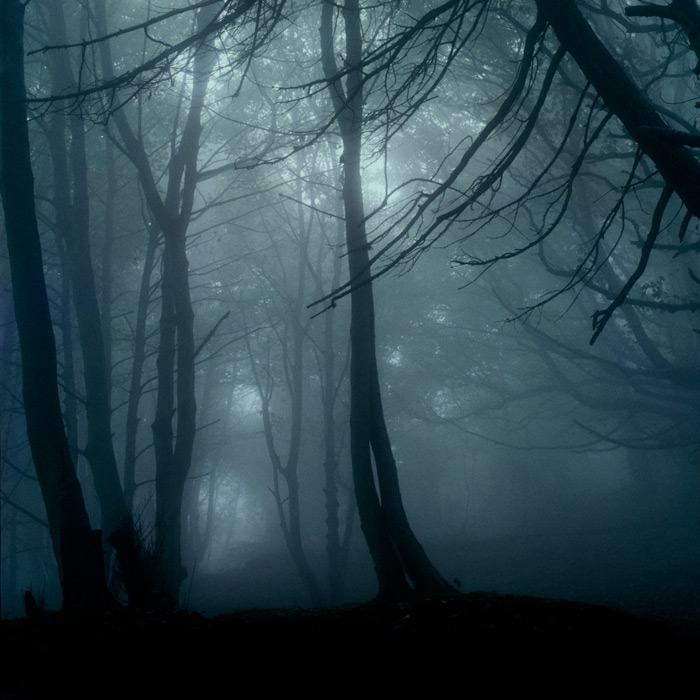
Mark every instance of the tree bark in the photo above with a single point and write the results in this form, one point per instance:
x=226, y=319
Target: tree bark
x=76, y=546
x=175, y=366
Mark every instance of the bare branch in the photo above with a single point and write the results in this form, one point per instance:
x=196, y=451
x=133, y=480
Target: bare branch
x=121, y=32
x=600, y=318
x=26, y=512
x=211, y=333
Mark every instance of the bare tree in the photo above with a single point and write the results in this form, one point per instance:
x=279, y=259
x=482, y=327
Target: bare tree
x=66, y=136
x=174, y=425
x=398, y=556
x=76, y=546
x=176, y=350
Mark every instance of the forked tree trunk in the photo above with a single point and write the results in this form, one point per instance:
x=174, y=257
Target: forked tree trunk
x=176, y=352
x=399, y=559
x=76, y=546
x=285, y=475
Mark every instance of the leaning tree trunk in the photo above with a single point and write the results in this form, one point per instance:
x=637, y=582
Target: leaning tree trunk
x=72, y=214
x=397, y=554
x=76, y=546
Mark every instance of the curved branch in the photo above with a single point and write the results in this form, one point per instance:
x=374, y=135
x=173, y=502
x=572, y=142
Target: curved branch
x=600, y=318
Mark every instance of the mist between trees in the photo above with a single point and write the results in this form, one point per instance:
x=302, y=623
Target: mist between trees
x=305, y=302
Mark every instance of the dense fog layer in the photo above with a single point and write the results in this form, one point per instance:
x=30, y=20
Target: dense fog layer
x=501, y=225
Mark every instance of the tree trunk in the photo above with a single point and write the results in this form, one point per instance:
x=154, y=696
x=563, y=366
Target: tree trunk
x=395, y=551
x=76, y=546
x=73, y=222
x=135, y=385
x=195, y=538
x=175, y=362
x=289, y=504
x=173, y=451
x=337, y=554
x=70, y=402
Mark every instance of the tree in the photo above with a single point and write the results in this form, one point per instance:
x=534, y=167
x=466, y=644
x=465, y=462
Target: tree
x=66, y=137
x=281, y=361
x=176, y=350
x=174, y=424
x=396, y=552
x=77, y=547
x=290, y=335
x=679, y=168
x=170, y=214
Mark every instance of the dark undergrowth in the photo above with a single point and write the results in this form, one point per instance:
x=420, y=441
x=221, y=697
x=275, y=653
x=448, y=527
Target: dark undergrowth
x=452, y=644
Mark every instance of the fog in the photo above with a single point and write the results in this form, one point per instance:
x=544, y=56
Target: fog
x=533, y=312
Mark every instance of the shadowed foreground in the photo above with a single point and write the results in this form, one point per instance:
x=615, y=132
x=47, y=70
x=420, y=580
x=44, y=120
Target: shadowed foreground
x=441, y=640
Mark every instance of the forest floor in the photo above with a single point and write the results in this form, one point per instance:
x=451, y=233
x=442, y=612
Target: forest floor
x=501, y=640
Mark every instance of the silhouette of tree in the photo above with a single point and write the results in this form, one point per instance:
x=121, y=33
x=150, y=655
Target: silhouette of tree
x=77, y=547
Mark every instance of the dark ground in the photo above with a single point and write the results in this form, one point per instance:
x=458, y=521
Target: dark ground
x=452, y=644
